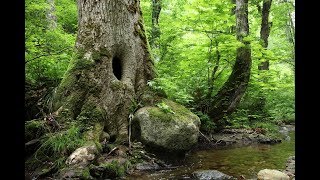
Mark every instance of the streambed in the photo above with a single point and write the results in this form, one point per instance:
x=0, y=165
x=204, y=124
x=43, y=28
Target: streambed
x=240, y=162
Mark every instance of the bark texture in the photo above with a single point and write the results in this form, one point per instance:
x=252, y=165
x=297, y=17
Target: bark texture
x=51, y=17
x=265, y=24
x=111, y=67
x=213, y=76
x=265, y=30
x=229, y=96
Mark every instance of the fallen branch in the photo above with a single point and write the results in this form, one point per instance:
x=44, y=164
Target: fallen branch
x=205, y=136
x=114, y=149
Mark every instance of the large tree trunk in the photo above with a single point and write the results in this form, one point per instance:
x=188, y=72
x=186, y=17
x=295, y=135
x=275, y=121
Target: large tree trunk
x=229, y=96
x=111, y=67
x=265, y=30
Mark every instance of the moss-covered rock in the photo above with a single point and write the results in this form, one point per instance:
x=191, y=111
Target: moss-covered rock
x=168, y=126
x=34, y=129
x=75, y=173
x=113, y=168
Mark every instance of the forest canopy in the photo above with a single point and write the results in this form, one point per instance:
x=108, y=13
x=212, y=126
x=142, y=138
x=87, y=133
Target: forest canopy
x=195, y=38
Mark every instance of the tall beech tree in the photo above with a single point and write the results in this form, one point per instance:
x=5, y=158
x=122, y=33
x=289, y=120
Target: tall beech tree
x=110, y=69
x=229, y=96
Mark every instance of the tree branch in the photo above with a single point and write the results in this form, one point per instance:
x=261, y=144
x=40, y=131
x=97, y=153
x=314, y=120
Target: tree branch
x=43, y=55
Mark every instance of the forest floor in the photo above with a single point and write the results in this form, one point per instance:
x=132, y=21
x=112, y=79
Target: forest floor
x=226, y=138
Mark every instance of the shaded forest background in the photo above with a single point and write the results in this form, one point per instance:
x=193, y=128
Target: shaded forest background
x=194, y=47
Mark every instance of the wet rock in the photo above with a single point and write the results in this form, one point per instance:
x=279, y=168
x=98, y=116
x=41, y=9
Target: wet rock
x=267, y=140
x=272, y=174
x=174, y=130
x=145, y=166
x=211, y=175
x=290, y=167
x=284, y=130
x=111, y=168
x=74, y=173
x=82, y=156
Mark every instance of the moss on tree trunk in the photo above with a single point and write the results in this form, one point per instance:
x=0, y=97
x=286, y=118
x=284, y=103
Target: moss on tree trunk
x=110, y=69
x=229, y=96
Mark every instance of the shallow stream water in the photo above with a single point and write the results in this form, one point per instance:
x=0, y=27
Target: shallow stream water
x=235, y=161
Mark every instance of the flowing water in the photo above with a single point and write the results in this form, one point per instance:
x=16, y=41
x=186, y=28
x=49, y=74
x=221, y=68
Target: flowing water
x=241, y=161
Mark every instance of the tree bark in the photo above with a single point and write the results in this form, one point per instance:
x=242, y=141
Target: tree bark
x=51, y=17
x=229, y=96
x=213, y=76
x=111, y=67
x=155, y=31
x=265, y=30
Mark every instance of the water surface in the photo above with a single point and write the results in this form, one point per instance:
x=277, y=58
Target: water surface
x=241, y=161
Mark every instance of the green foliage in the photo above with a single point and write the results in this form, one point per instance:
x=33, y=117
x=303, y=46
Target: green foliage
x=188, y=55
x=115, y=169
x=268, y=126
x=35, y=129
x=56, y=147
x=193, y=34
x=48, y=51
x=66, y=11
x=207, y=125
x=164, y=107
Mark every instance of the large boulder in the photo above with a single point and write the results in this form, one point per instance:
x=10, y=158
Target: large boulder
x=272, y=174
x=211, y=175
x=169, y=126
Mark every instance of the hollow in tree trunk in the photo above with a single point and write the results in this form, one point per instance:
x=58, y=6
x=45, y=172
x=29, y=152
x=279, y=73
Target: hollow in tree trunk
x=111, y=67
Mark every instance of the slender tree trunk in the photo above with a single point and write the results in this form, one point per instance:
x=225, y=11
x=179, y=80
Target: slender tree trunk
x=51, y=17
x=111, y=67
x=265, y=30
x=215, y=69
x=155, y=31
x=265, y=24
x=229, y=96
x=264, y=35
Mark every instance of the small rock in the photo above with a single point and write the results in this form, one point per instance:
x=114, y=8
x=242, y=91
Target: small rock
x=266, y=140
x=290, y=167
x=211, y=175
x=82, y=156
x=147, y=166
x=272, y=174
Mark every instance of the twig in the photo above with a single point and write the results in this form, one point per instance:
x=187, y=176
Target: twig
x=129, y=133
x=111, y=151
x=48, y=54
x=205, y=136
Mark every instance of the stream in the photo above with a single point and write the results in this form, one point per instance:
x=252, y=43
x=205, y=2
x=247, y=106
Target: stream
x=235, y=161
